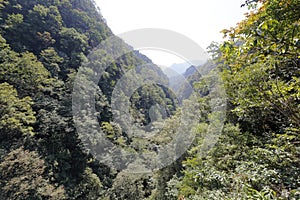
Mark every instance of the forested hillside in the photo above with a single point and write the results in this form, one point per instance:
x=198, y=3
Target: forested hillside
x=258, y=154
x=44, y=44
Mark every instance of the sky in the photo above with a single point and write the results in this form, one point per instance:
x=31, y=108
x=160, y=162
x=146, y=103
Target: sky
x=198, y=20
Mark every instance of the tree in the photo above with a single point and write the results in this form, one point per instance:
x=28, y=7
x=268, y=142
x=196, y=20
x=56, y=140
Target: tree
x=2, y=3
x=16, y=115
x=131, y=186
x=23, y=70
x=73, y=45
x=257, y=155
x=261, y=66
x=51, y=60
x=22, y=177
x=90, y=187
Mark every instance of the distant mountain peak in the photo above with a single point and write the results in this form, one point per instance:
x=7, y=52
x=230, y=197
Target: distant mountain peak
x=189, y=71
x=177, y=69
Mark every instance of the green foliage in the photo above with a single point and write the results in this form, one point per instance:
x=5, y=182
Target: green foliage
x=13, y=20
x=146, y=97
x=83, y=16
x=240, y=166
x=23, y=70
x=22, y=177
x=90, y=186
x=42, y=45
x=261, y=66
x=51, y=60
x=16, y=115
x=131, y=186
x=41, y=23
x=3, y=3
x=113, y=132
x=74, y=45
x=72, y=40
x=258, y=158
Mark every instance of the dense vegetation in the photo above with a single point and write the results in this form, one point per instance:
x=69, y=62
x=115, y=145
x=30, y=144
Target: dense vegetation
x=43, y=44
x=257, y=156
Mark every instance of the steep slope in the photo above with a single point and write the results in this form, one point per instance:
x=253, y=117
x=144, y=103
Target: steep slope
x=183, y=85
x=257, y=155
x=43, y=44
x=176, y=69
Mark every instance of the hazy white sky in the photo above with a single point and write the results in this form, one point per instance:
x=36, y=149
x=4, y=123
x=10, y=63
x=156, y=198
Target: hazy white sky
x=199, y=20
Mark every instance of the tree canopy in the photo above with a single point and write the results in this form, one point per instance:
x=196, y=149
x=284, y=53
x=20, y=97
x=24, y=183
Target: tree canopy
x=255, y=155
